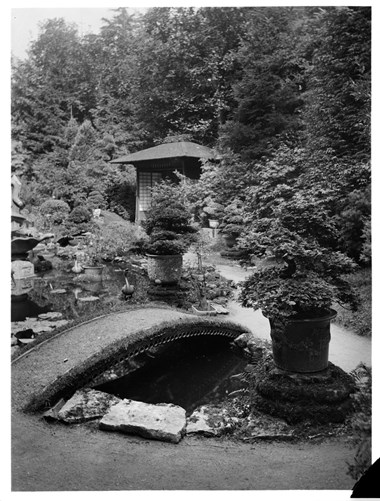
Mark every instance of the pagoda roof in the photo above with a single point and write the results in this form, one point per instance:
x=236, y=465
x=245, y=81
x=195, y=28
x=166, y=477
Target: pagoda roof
x=167, y=150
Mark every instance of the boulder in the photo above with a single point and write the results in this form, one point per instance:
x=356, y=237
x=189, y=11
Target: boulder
x=251, y=346
x=199, y=422
x=210, y=420
x=243, y=339
x=85, y=405
x=164, y=422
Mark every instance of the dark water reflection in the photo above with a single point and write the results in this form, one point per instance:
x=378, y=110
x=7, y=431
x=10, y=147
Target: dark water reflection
x=67, y=293
x=191, y=372
x=26, y=308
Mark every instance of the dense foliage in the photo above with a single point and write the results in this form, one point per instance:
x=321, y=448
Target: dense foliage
x=293, y=232
x=269, y=94
x=359, y=321
x=338, y=97
x=253, y=82
x=112, y=239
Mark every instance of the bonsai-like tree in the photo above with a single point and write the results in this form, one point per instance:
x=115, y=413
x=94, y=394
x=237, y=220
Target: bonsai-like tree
x=233, y=219
x=168, y=222
x=293, y=239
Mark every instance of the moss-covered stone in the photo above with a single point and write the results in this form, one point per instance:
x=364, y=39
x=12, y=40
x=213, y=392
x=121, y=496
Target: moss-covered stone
x=318, y=397
x=303, y=410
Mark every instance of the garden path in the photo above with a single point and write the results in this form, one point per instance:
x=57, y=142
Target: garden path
x=347, y=349
x=48, y=457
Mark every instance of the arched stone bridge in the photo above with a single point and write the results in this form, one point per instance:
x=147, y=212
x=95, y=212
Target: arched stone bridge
x=71, y=359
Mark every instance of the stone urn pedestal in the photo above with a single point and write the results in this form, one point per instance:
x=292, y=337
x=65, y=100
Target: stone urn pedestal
x=319, y=397
x=22, y=279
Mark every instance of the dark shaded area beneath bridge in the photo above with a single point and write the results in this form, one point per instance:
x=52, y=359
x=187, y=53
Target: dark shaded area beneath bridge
x=188, y=372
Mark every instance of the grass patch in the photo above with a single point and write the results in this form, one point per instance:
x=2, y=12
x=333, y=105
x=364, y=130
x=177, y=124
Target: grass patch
x=358, y=321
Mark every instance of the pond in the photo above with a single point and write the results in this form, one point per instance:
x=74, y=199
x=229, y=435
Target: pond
x=188, y=372
x=76, y=297
x=61, y=290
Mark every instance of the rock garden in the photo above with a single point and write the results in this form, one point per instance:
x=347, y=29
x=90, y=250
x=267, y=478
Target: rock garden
x=166, y=142
x=260, y=401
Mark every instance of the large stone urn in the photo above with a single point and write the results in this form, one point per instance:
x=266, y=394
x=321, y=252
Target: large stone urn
x=166, y=269
x=302, y=345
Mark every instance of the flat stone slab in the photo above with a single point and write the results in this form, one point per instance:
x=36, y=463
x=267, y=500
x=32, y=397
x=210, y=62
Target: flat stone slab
x=88, y=299
x=85, y=405
x=164, y=422
x=50, y=315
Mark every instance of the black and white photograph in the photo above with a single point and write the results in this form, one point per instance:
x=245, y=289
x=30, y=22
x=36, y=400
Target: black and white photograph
x=191, y=262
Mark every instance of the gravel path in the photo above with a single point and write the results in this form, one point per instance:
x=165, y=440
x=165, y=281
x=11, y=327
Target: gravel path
x=48, y=457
